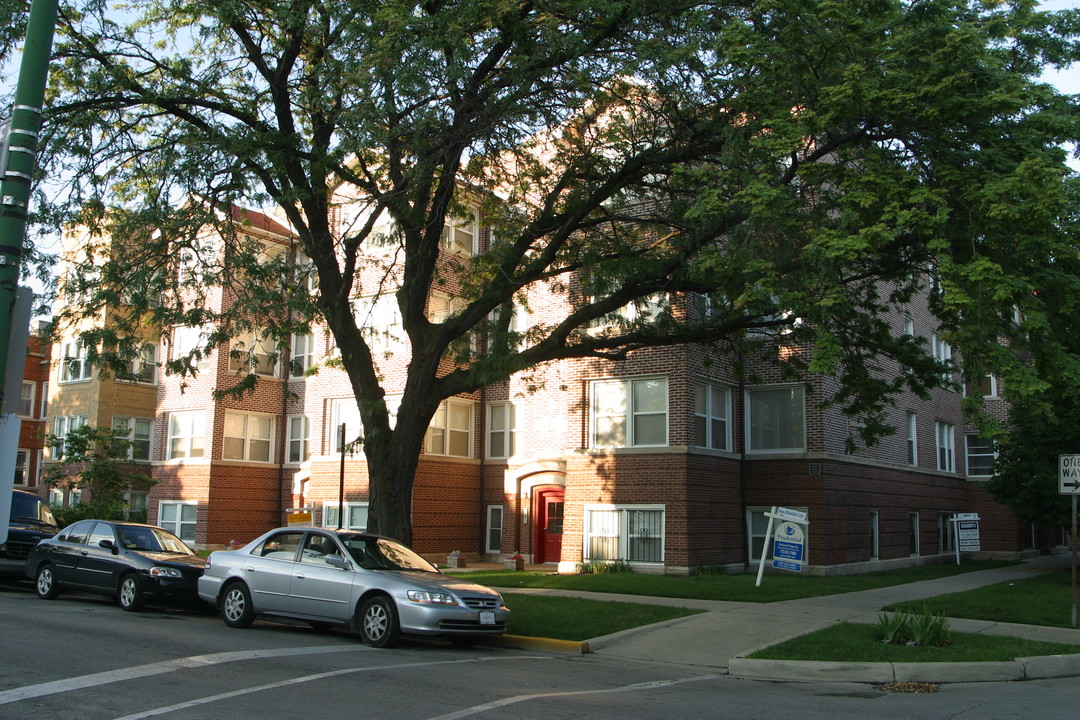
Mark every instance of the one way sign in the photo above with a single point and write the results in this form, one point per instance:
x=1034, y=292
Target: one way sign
x=1069, y=474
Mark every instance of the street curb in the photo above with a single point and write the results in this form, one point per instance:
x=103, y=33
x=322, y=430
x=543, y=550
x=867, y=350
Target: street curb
x=1029, y=668
x=524, y=642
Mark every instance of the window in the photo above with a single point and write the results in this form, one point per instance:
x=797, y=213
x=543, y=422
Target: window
x=450, y=431
x=26, y=399
x=344, y=411
x=943, y=432
x=139, y=431
x=187, y=264
x=179, y=517
x=757, y=527
x=298, y=441
x=634, y=533
x=946, y=541
x=912, y=442
x=21, y=458
x=461, y=234
x=913, y=533
x=644, y=309
x=909, y=326
x=247, y=437
x=775, y=418
x=712, y=409
x=186, y=435
x=188, y=340
x=502, y=430
x=356, y=515
x=379, y=319
x=62, y=425
x=494, y=528
x=75, y=365
x=74, y=497
x=44, y=400
x=302, y=355
x=144, y=367
x=943, y=354
x=307, y=275
x=980, y=456
x=56, y=497
x=875, y=535
x=135, y=506
x=629, y=413
x=255, y=353
x=989, y=386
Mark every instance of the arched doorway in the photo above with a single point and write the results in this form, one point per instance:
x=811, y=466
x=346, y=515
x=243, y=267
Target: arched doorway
x=550, y=508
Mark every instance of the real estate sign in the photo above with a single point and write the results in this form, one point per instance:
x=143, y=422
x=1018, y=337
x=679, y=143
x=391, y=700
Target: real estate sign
x=788, y=545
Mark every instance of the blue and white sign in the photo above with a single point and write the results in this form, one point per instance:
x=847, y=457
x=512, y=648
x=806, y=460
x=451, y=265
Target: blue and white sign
x=788, y=546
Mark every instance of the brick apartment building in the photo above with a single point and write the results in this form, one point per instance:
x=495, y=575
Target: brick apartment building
x=667, y=459
x=33, y=401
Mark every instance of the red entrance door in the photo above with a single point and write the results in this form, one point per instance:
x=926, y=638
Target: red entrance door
x=549, y=525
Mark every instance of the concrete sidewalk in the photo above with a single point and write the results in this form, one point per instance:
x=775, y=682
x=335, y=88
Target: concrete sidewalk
x=727, y=632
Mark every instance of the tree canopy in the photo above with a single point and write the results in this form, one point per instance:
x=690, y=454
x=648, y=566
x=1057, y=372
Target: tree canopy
x=805, y=165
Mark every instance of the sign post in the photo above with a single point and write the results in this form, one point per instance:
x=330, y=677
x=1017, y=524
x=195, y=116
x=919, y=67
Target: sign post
x=789, y=543
x=1069, y=484
x=966, y=531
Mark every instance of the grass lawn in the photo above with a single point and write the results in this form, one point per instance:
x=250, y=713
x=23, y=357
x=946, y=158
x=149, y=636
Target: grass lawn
x=740, y=588
x=1043, y=599
x=856, y=642
x=572, y=619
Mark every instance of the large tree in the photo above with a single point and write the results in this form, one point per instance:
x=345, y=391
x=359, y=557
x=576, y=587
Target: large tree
x=803, y=164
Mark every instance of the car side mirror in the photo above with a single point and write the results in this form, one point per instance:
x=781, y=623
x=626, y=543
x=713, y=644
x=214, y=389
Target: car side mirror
x=337, y=561
x=109, y=545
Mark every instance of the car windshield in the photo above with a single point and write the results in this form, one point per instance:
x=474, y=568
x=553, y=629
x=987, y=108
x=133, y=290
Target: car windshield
x=385, y=554
x=28, y=508
x=151, y=539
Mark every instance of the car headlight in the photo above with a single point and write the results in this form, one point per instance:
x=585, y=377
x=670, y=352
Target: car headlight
x=159, y=571
x=432, y=598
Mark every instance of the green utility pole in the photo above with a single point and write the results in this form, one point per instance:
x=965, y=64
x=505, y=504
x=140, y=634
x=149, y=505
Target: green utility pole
x=19, y=160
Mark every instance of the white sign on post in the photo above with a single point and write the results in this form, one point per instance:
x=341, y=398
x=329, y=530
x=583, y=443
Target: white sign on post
x=1069, y=474
x=788, y=544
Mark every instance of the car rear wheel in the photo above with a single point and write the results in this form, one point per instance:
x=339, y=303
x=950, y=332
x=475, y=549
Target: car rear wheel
x=236, y=609
x=130, y=595
x=379, y=622
x=45, y=583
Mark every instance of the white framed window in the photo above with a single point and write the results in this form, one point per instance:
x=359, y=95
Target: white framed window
x=140, y=432
x=502, y=430
x=980, y=455
x=187, y=265
x=356, y=515
x=56, y=496
x=344, y=411
x=875, y=534
x=187, y=436
x=301, y=355
x=943, y=354
x=712, y=413
x=944, y=434
x=494, y=529
x=307, y=276
x=255, y=352
x=629, y=413
x=44, y=400
x=22, y=457
x=644, y=309
x=26, y=399
x=909, y=325
x=757, y=526
x=912, y=440
x=298, y=439
x=634, y=533
x=775, y=418
x=379, y=319
x=75, y=366
x=247, y=437
x=135, y=505
x=913, y=533
x=62, y=425
x=74, y=497
x=187, y=340
x=144, y=367
x=451, y=429
x=946, y=533
x=180, y=517
x=461, y=234
x=988, y=388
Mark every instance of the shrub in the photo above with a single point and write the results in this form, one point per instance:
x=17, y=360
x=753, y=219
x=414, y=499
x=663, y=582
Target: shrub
x=596, y=567
x=923, y=628
x=894, y=628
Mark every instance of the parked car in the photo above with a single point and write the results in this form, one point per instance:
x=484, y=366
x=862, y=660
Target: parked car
x=134, y=563
x=30, y=522
x=371, y=584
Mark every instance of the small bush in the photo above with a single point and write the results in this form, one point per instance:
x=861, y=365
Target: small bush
x=597, y=567
x=922, y=629
x=893, y=628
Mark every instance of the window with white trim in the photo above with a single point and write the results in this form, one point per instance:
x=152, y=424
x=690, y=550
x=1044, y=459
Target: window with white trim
x=909, y=325
x=946, y=535
x=26, y=399
x=62, y=425
x=44, y=400
x=345, y=411
x=301, y=355
x=451, y=429
x=75, y=366
x=502, y=430
x=944, y=434
x=913, y=533
x=187, y=340
x=254, y=352
x=629, y=413
x=379, y=320
x=757, y=526
x=180, y=517
x=494, y=529
x=461, y=234
x=980, y=456
x=139, y=432
x=644, y=309
x=247, y=437
x=943, y=354
x=144, y=366
x=187, y=435
x=775, y=418
x=22, y=456
x=356, y=515
x=912, y=440
x=298, y=439
x=634, y=533
x=712, y=413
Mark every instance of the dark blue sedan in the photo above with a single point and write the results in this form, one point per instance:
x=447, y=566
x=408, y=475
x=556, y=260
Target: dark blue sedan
x=132, y=562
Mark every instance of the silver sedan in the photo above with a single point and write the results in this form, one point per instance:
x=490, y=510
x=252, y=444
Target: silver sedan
x=371, y=584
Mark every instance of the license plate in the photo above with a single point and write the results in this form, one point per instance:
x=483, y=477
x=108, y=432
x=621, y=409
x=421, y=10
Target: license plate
x=487, y=617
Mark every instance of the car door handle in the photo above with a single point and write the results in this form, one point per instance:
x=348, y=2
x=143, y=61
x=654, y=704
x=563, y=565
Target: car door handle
x=299, y=577
x=84, y=553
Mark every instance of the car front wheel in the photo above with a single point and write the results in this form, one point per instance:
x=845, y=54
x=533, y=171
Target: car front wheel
x=45, y=583
x=379, y=623
x=236, y=609
x=130, y=596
